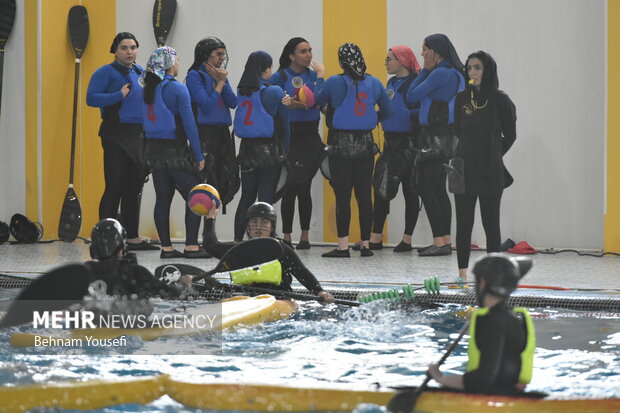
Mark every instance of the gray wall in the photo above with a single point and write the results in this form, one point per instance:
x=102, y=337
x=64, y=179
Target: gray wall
x=12, y=126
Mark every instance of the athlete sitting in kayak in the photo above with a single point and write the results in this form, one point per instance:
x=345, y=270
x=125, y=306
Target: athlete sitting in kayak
x=261, y=219
x=502, y=339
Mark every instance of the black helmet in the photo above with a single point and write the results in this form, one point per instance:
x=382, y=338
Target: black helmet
x=501, y=273
x=24, y=230
x=203, y=50
x=4, y=232
x=263, y=210
x=108, y=238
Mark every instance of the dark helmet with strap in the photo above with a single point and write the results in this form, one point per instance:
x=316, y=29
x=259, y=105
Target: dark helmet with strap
x=24, y=230
x=107, y=239
x=203, y=50
x=500, y=273
x=263, y=210
x=4, y=232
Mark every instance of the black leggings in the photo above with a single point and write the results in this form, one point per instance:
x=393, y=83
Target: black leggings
x=123, y=185
x=412, y=208
x=465, y=206
x=346, y=175
x=432, y=190
x=165, y=182
x=301, y=191
x=255, y=183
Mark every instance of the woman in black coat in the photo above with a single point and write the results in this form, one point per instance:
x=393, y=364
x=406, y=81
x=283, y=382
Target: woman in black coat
x=486, y=128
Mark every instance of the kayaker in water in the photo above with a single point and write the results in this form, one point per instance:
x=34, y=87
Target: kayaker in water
x=261, y=219
x=502, y=338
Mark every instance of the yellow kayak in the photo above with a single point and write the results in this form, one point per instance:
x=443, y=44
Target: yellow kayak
x=209, y=317
x=97, y=394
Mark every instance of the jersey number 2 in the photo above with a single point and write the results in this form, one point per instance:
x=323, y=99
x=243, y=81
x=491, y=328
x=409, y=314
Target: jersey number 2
x=248, y=114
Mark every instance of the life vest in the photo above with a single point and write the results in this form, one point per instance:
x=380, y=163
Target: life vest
x=527, y=355
x=159, y=121
x=266, y=273
x=427, y=101
x=400, y=118
x=357, y=110
x=295, y=81
x=251, y=118
x=217, y=114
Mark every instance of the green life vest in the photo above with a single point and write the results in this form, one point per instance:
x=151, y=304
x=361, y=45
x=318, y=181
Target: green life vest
x=268, y=272
x=527, y=355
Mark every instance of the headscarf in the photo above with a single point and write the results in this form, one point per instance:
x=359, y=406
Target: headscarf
x=162, y=59
x=405, y=56
x=257, y=63
x=352, y=61
x=289, y=49
x=443, y=46
x=490, y=81
x=119, y=38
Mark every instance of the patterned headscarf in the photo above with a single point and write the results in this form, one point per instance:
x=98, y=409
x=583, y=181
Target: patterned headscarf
x=352, y=61
x=405, y=56
x=162, y=59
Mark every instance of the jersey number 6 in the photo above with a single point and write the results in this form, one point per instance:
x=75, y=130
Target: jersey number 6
x=360, y=107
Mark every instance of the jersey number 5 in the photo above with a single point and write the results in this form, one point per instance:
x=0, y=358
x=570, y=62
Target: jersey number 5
x=247, y=104
x=360, y=107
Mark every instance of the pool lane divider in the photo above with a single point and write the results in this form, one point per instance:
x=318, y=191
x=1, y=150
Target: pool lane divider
x=97, y=394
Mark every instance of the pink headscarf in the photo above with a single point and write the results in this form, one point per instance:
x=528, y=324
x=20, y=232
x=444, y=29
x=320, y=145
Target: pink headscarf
x=406, y=57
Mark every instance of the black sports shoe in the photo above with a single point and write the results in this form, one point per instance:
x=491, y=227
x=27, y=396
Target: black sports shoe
x=303, y=245
x=142, y=246
x=425, y=248
x=336, y=253
x=366, y=252
x=376, y=245
x=435, y=251
x=200, y=253
x=170, y=254
x=403, y=247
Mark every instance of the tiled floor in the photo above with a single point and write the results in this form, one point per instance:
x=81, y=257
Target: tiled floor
x=385, y=267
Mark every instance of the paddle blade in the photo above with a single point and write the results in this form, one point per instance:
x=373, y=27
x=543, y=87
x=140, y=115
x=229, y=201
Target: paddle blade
x=70, y=217
x=163, y=16
x=52, y=291
x=78, y=29
x=7, y=18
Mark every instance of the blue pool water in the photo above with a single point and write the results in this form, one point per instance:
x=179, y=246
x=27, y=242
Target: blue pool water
x=578, y=354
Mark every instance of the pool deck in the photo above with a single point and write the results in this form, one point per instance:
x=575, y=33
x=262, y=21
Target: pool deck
x=386, y=267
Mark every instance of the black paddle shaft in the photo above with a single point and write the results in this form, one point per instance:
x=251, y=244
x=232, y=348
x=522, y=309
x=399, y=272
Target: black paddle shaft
x=7, y=18
x=163, y=16
x=78, y=35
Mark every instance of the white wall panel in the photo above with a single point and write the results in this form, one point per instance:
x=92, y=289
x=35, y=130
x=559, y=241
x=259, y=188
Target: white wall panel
x=245, y=26
x=12, y=124
x=551, y=61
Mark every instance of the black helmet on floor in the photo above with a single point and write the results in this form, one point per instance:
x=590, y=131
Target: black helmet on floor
x=107, y=239
x=263, y=210
x=4, y=232
x=203, y=50
x=24, y=230
x=501, y=273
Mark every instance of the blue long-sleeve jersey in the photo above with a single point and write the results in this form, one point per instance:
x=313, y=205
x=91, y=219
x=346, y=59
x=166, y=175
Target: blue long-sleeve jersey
x=271, y=97
x=213, y=107
x=334, y=91
x=177, y=100
x=105, y=86
x=308, y=78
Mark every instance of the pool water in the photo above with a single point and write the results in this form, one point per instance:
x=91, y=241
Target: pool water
x=578, y=354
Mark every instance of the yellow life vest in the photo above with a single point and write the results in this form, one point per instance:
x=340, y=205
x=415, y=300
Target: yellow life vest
x=527, y=355
x=268, y=272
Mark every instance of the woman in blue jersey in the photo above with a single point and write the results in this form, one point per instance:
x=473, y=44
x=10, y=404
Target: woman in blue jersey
x=261, y=121
x=168, y=125
x=115, y=90
x=296, y=71
x=207, y=82
x=399, y=147
x=435, y=89
x=351, y=98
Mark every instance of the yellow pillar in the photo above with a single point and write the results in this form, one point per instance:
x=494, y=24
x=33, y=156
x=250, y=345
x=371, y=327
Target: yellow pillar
x=612, y=216
x=365, y=24
x=56, y=66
